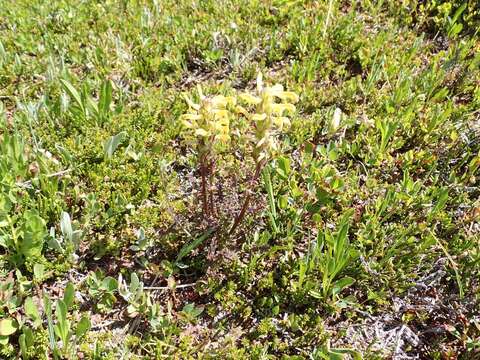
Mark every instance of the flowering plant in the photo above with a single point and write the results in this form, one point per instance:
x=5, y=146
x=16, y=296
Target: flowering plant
x=266, y=111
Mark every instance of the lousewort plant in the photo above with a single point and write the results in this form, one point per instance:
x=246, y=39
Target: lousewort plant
x=266, y=112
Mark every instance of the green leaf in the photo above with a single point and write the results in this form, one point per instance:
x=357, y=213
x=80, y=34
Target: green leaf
x=8, y=327
x=83, y=326
x=69, y=295
x=110, y=284
x=23, y=346
x=38, y=271
x=187, y=248
x=342, y=351
x=62, y=328
x=105, y=98
x=341, y=284
x=29, y=339
x=73, y=93
x=112, y=144
x=3, y=340
x=315, y=294
x=134, y=283
x=31, y=311
x=66, y=226
x=34, y=232
x=47, y=305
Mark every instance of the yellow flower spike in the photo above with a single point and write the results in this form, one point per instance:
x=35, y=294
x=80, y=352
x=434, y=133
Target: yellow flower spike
x=281, y=122
x=220, y=113
x=187, y=124
x=231, y=100
x=275, y=90
x=261, y=142
x=224, y=138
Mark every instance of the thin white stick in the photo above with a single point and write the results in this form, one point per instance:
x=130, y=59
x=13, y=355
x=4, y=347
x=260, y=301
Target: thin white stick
x=168, y=288
x=59, y=173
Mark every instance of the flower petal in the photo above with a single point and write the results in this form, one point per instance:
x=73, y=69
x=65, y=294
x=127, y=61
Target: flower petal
x=190, y=117
x=202, y=132
x=191, y=103
x=259, y=117
x=250, y=99
x=288, y=96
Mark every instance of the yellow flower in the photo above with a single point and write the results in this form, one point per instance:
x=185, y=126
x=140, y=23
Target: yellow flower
x=250, y=99
x=202, y=133
x=278, y=109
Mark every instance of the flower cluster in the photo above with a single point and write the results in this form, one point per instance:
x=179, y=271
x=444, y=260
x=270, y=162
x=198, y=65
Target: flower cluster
x=268, y=116
x=209, y=121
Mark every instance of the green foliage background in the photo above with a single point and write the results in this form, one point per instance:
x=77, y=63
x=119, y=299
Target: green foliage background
x=346, y=220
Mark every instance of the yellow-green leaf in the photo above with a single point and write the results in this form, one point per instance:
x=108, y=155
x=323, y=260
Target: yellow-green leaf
x=8, y=327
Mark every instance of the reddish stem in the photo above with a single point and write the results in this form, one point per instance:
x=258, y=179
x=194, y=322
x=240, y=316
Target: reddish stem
x=212, y=202
x=204, y=187
x=246, y=201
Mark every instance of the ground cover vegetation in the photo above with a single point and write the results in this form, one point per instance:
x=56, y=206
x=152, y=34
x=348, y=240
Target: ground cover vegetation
x=239, y=179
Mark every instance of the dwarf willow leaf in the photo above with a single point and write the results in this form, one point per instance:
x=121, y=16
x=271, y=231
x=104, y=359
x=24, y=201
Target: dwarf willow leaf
x=8, y=327
x=34, y=233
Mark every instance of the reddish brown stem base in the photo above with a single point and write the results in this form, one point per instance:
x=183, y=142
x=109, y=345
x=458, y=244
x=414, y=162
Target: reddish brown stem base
x=246, y=201
x=204, y=189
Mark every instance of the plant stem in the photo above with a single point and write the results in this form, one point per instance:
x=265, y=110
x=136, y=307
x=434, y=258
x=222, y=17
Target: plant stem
x=212, y=202
x=246, y=201
x=204, y=187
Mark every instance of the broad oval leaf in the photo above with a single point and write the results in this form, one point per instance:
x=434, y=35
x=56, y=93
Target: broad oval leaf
x=8, y=327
